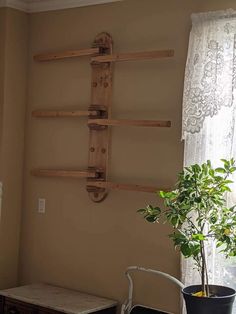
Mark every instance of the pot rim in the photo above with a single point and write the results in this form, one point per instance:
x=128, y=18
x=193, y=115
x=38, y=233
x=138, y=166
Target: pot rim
x=210, y=298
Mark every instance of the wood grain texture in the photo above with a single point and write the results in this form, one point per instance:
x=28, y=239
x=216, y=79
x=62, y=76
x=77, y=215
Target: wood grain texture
x=66, y=54
x=123, y=186
x=63, y=113
x=138, y=123
x=64, y=173
x=101, y=93
x=132, y=56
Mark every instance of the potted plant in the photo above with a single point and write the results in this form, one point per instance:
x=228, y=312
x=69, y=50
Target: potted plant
x=197, y=211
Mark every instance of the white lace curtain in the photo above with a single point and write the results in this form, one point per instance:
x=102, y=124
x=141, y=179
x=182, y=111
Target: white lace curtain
x=209, y=114
x=210, y=77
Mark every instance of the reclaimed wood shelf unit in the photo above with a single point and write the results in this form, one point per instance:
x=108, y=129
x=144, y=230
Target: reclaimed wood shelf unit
x=99, y=115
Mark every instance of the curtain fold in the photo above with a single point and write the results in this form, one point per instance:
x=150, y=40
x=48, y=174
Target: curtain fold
x=209, y=116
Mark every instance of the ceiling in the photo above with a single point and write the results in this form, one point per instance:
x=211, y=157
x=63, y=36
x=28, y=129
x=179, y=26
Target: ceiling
x=48, y=5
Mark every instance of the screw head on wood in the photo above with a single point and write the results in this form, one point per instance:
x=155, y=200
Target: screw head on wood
x=103, y=150
x=92, y=149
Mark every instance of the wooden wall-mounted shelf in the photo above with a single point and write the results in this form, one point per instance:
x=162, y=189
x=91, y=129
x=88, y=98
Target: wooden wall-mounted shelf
x=99, y=116
x=65, y=173
x=138, y=123
x=67, y=54
x=64, y=114
x=134, y=56
x=124, y=186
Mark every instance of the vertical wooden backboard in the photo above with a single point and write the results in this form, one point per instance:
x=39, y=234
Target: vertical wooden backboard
x=101, y=97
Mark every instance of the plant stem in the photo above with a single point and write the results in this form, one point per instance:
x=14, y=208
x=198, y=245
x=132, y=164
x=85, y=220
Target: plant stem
x=206, y=272
x=202, y=268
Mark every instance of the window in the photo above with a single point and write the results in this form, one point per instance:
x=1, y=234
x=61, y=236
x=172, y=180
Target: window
x=209, y=115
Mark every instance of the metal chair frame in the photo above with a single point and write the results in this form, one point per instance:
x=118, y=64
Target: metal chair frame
x=128, y=304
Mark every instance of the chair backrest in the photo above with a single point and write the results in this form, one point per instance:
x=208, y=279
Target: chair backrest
x=127, y=306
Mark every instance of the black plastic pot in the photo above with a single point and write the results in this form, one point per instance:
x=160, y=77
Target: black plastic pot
x=221, y=303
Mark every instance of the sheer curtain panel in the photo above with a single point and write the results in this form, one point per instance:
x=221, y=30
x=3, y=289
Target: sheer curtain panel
x=209, y=114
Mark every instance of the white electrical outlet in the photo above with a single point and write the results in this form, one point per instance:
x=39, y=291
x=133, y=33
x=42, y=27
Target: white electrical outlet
x=41, y=205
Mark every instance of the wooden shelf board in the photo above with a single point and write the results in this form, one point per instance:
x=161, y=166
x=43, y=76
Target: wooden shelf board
x=122, y=186
x=138, y=123
x=64, y=173
x=66, y=54
x=129, y=56
x=63, y=113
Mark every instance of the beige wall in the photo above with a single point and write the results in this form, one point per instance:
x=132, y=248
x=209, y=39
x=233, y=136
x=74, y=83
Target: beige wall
x=13, y=102
x=76, y=243
x=2, y=69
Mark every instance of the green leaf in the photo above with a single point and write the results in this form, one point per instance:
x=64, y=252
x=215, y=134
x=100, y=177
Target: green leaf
x=209, y=163
x=232, y=169
x=162, y=194
x=228, y=181
x=213, y=219
x=220, y=170
x=226, y=162
x=141, y=210
x=185, y=250
x=212, y=172
x=199, y=237
x=151, y=218
x=225, y=189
